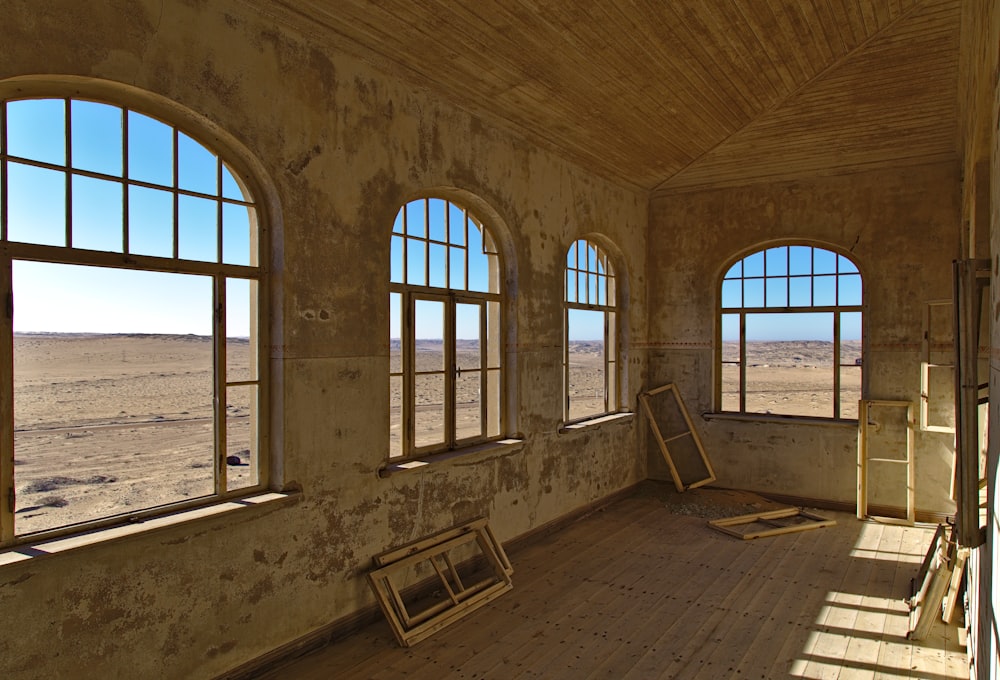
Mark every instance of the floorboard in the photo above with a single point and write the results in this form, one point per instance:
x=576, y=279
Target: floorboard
x=640, y=591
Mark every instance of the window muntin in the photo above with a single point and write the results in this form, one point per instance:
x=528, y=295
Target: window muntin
x=129, y=255
x=790, y=334
x=590, y=346
x=445, y=368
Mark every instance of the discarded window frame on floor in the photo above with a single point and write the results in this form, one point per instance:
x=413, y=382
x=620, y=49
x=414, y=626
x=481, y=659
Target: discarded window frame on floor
x=866, y=425
x=770, y=523
x=433, y=582
x=678, y=436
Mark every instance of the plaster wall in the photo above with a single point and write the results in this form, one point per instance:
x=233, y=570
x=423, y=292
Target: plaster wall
x=902, y=229
x=333, y=147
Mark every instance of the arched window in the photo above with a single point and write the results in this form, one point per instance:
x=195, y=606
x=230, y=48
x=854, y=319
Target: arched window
x=590, y=347
x=130, y=267
x=790, y=334
x=446, y=370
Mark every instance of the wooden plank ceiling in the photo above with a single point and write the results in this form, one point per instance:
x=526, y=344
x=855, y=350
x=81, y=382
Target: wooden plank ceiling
x=672, y=95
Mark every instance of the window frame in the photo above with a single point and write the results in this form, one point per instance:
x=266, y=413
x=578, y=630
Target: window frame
x=608, y=287
x=220, y=271
x=742, y=311
x=492, y=305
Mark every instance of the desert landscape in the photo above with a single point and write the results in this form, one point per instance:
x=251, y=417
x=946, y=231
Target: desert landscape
x=112, y=424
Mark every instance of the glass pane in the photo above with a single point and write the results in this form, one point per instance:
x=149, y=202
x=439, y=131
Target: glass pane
x=241, y=340
x=197, y=231
x=437, y=226
x=230, y=187
x=850, y=337
x=36, y=129
x=438, y=254
x=479, y=265
x=36, y=205
x=97, y=214
x=800, y=291
x=416, y=252
x=415, y=223
x=468, y=405
x=844, y=265
x=824, y=291
x=197, y=167
x=493, y=328
x=776, y=261
x=799, y=260
x=824, y=262
x=150, y=150
x=850, y=391
x=582, y=291
x=571, y=286
x=456, y=225
x=395, y=334
x=849, y=292
x=493, y=403
x=428, y=420
x=396, y=260
x=732, y=293
x=456, y=272
x=97, y=137
x=777, y=292
x=753, y=292
x=150, y=222
x=736, y=271
x=397, y=224
x=237, y=234
x=242, y=461
x=428, y=320
x=753, y=265
x=731, y=386
x=585, y=345
x=110, y=391
x=467, y=331
x=571, y=256
x=730, y=337
x=790, y=364
x=395, y=416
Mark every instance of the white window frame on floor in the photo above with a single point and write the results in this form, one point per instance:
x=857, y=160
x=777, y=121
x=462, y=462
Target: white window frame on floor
x=416, y=279
x=780, y=302
x=591, y=285
x=220, y=269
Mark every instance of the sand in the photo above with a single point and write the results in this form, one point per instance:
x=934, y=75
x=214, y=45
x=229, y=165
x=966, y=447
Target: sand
x=113, y=424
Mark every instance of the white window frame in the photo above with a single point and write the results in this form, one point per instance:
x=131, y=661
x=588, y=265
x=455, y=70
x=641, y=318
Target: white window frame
x=736, y=273
x=220, y=272
x=590, y=284
x=491, y=304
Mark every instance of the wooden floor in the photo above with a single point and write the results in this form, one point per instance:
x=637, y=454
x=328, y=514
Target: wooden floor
x=635, y=591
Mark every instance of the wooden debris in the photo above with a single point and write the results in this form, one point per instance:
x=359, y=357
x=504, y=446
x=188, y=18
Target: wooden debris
x=784, y=521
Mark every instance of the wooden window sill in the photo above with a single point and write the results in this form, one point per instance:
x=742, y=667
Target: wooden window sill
x=465, y=455
x=597, y=422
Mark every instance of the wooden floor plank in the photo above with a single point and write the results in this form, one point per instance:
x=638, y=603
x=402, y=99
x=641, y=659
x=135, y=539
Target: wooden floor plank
x=638, y=592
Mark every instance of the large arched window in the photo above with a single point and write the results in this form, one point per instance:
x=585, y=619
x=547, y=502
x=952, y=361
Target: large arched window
x=590, y=346
x=790, y=334
x=445, y=374
x=130, y=268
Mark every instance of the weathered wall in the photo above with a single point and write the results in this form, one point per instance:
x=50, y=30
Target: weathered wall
x=980, y=98
x=901, y=227
x=340, y=147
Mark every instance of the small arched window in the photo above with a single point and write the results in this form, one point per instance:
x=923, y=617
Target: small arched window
x=445, y=300
x=790, y=334
x=590, y=342
x=129, y=257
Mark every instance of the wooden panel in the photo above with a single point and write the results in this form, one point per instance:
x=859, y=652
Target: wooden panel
x=639, y=90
